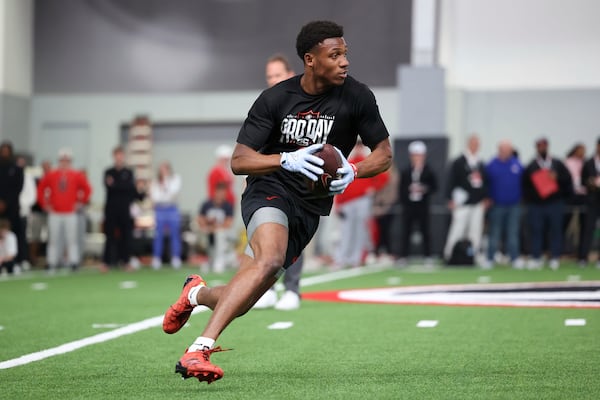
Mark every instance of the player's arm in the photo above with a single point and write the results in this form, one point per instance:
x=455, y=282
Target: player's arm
x=247, y=161
x=377, y=162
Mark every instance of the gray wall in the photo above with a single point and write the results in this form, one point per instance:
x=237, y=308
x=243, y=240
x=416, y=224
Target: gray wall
x=100, y=46
x=14, y=120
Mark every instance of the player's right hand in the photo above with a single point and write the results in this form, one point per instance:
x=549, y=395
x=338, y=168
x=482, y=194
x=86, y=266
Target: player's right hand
x=304, y=162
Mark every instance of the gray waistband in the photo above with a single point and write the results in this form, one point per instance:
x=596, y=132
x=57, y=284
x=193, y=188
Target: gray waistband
x=262, y=216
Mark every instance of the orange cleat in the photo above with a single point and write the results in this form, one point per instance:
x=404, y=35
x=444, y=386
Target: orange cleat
x=178, y=314
x=196, y=364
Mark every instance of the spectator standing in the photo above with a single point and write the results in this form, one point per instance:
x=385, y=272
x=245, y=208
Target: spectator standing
x=121, y=193
x=8, y=249
x=504, y=174
x=417, y=184
x=61, y=193
x=11, y=184
x=39, y=218
x=215, y=218
x=27, y=199
x=467, y=196
x=546, y=187
x=164, y=191
x=575, y=216
x=590, y=177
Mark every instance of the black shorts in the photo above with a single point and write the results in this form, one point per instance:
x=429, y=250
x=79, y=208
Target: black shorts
x=302, y=224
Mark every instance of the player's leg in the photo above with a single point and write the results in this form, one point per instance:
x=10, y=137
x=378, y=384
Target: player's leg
x=291, y=280
x=423, y=217
x=174, y=222
x=110, y=240
x=53, y=251
x=71, y=237
x=475, y=226
x=290, y=300
x=460, y=218
x=257, y=273
x=255, y=276
x=157, y=245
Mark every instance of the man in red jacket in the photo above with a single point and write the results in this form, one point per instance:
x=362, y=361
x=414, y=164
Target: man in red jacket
x=62, y=192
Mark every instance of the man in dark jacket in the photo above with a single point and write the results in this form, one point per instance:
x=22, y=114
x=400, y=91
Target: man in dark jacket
x=121, y=192
x=590, y=178
x=417, y=184
x=546, y=186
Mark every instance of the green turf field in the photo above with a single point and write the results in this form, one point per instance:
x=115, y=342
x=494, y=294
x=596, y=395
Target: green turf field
x=332, y=350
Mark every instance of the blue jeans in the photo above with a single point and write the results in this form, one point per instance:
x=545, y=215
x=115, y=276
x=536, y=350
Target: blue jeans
x=167, y=219
x=504, y=224
x=546, y=218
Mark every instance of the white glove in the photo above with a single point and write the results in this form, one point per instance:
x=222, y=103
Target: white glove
x=303, y=161
x=346, y=175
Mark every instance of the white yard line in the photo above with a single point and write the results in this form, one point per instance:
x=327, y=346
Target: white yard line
x=157, y=321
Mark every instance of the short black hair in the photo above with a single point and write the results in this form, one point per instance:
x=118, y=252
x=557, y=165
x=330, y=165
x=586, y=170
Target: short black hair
x=314, y=33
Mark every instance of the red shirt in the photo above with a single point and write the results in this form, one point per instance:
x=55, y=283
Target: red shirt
x=219, y=174
x=61, y=190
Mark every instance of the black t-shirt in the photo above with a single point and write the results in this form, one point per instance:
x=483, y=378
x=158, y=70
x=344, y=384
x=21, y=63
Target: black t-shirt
x=285, y=118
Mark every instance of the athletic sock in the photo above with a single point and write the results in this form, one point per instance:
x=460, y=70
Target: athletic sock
x=202, y=343
x=193, y=294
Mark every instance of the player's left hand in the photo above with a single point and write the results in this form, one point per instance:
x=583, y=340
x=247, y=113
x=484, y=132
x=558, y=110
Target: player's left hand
x=346, y=175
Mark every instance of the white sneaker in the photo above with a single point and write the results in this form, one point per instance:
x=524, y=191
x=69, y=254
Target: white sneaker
x=289, y=301
x=534, y=263
x=156, y=263
x=518, y=263
x=401, y=262
x=17, y=270
x=486, y=264
x=554, y=264
x=267, y=300
x=134, y=262
x=176, y=262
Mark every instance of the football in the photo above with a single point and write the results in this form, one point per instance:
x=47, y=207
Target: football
x=333, y=161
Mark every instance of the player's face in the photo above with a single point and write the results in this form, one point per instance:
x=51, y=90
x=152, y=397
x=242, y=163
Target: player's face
x=331, y=61
x=276, y=72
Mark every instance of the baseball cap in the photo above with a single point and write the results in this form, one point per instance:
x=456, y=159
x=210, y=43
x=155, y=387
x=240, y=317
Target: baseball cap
x=541, y=139
x=417, y=147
